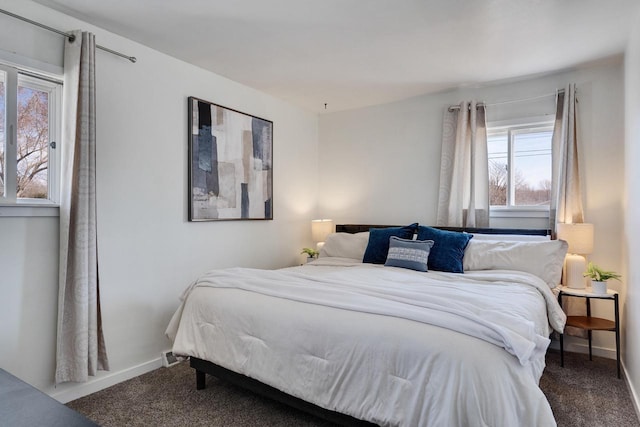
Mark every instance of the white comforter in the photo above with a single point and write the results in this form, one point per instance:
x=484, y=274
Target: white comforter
x=377, y=343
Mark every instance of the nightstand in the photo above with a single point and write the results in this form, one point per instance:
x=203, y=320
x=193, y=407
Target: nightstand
x=590, y=323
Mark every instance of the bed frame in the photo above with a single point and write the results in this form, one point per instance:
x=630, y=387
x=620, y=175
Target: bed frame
x=358, y=228
x=204, y=367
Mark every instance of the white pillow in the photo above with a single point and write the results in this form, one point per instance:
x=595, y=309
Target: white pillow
x=510, y=237
x=345, y=245
x=543, y=259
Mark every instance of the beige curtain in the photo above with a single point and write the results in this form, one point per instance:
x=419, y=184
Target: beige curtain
x=566, y=192
x=80, y=343
x=463, y=199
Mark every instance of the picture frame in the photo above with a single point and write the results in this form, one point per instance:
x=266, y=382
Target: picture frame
x=230, y=164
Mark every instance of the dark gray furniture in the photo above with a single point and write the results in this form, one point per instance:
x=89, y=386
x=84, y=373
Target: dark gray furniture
x=24, y=405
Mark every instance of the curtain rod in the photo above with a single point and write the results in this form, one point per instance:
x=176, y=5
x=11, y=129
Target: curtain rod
x=70, y=36
x=457, y=107
x=482, y=104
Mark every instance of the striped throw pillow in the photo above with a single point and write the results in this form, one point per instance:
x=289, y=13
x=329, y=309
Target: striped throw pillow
x=411, y=254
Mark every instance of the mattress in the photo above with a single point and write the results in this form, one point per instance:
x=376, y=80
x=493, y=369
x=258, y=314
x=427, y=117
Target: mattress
x=387, y=345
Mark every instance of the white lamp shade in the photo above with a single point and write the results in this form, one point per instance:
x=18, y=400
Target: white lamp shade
x=320, y=229
x=578, y=236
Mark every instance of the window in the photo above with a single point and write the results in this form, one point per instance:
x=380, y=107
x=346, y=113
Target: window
x=520, y=164
x=29, y=131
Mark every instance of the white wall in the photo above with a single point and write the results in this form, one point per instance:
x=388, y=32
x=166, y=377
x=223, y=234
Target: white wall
x=378, y=164
x=631, y=341
x=148, y=251
x=381, y=164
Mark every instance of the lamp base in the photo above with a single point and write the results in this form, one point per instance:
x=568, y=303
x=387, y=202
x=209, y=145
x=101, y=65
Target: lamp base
x=575, y=266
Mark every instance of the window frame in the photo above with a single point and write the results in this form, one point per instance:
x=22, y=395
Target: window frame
x=10, y=204
x=513, y=127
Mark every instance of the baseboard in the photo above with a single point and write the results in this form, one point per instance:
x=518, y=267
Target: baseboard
x=578, y=347
x=635, y=399
x=79, y=390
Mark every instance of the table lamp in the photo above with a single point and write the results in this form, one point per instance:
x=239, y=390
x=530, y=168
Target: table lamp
x=320, y=229
x=580, y=240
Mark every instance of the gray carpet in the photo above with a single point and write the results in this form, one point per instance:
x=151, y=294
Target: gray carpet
x=587, y=393
x=583, y=393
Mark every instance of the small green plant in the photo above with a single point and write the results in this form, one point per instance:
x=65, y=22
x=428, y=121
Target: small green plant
x=310, y=252
x=596, y=273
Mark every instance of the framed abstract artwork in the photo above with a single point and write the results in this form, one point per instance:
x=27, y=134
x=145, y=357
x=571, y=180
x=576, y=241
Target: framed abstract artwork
x=230, y=164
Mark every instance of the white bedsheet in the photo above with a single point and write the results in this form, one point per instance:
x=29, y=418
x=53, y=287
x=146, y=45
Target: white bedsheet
x=377, y=343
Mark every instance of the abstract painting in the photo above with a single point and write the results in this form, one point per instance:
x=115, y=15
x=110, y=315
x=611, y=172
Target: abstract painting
x=230, y=164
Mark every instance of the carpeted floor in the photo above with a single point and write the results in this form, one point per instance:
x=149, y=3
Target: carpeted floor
x=587, y=393
x=583, y=393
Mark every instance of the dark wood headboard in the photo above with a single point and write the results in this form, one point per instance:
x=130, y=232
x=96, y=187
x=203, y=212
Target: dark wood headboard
x=357, y=228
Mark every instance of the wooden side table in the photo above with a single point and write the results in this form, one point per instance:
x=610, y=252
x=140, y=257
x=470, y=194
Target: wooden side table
x=590, y=323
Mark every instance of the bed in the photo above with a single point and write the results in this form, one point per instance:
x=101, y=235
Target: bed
x=369, y=343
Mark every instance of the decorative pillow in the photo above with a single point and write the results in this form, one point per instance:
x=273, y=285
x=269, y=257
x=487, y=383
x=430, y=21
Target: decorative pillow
x=378, y=246
x=345, y=245
x=411, y=254
x=543, y=259
x=448, y=248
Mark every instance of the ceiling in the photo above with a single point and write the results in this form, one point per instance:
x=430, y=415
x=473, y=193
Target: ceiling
x=354, y=53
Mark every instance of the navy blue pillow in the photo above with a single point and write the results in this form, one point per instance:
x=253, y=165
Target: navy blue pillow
x=378, y=246
x=448, y=248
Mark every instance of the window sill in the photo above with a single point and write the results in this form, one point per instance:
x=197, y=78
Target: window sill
x=519, y=212
x=29, y=210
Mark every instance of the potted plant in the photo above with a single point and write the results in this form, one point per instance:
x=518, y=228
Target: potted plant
x=311, y=253
x=599, y=278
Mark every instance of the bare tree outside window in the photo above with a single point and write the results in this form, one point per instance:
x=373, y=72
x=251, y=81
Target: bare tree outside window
x=532, y=164
x=528, y=153
x=33, y=143
x=30, y=108
x=528, y=195
x=498, y=173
